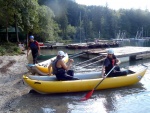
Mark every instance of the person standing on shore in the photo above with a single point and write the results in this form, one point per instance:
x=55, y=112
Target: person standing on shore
x=35, y=49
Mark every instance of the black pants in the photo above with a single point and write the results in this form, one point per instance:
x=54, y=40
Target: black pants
x=34, y=55
x=66, y=75
x=117, y=72
x=117, y=68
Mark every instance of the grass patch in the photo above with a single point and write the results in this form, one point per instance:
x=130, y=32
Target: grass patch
x=9, y=49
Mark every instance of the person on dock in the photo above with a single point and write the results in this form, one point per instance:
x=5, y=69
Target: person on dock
x=109, y=63
x=35, y=49
x=61, y=69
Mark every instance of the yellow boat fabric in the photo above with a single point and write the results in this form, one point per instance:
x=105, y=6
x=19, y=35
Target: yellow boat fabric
x=83, y=84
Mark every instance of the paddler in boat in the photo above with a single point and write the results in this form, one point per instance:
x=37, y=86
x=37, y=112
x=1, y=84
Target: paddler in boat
x=61, y=69
x=109, y=63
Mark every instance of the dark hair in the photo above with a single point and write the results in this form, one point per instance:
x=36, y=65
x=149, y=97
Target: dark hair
x=58, y=57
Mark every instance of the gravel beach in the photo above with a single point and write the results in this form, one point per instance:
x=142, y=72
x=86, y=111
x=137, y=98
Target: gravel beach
x=11, y=85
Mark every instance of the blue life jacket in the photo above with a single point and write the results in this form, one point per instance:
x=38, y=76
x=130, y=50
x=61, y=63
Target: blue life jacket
x=33, y=46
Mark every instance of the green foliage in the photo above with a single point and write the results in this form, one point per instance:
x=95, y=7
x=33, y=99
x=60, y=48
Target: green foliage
x=66, y=41
x=70, y=31
x=2, y=51
x=9, y=49
x=29, y=15
x=47, y=26
x=59, y=20
x=17, y=49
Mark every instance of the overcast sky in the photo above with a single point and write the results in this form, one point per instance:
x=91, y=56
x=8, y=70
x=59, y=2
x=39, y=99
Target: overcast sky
x=116, y=4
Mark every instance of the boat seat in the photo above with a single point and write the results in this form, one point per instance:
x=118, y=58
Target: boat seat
x=43, y=78
x=90, y=75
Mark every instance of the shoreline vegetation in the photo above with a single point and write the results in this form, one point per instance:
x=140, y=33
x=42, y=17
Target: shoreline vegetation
x=10, y=49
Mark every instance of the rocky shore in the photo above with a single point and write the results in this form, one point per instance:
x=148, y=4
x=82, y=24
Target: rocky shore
x=11, y=85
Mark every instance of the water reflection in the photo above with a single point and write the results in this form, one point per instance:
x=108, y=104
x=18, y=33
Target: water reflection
x=89, y=106
x=37, y=103
x=48, y=110
x=54, y=51
x=111, y=96
x=102, y=101
x=109, y=101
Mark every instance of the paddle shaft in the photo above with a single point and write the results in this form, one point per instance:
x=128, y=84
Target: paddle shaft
x=104, y=78
x=88, y=95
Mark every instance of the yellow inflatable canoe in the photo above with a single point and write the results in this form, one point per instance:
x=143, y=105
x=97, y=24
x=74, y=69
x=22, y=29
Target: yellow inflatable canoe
x=42, y=68
x=49, y=84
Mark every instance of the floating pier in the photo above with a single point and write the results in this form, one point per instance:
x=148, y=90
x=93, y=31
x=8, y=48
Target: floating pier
x=88, y=45
x=125, y=54
x=52, y=46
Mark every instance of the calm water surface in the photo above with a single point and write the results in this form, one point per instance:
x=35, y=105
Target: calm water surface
x=131, y=99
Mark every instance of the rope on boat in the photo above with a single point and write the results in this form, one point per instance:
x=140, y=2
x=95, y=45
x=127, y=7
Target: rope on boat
x=77, y=55
x=88, y=60
x=93, y=62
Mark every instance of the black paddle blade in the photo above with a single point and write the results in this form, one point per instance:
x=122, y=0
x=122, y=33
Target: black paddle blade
x=87, y=96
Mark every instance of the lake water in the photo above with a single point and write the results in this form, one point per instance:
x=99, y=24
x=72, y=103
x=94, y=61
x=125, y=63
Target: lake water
x=131, y=99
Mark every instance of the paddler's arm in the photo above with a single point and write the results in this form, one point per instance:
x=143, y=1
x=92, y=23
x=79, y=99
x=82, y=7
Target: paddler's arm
x=66, y=67
x=103, y=71
x=118, y=61
x=28, y=51
x=49, y=69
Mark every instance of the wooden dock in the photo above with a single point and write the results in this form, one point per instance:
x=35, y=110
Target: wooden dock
x=125, y=54
x=52, y=46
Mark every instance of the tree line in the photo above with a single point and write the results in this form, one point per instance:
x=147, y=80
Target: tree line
x=66, y=20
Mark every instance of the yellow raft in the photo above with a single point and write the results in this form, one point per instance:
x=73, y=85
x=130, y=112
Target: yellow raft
x=42, y=67
x=49, y=84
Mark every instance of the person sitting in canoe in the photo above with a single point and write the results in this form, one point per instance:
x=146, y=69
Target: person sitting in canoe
x=61, y=69
x=109, y=63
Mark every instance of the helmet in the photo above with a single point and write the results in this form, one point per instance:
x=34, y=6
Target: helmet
x=31, y=37
x=110, y=51
x=61, y=53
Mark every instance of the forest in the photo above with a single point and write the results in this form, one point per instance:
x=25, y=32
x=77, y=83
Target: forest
x=65, y=20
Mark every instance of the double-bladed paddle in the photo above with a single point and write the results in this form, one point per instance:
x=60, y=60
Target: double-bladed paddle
x=88, y=95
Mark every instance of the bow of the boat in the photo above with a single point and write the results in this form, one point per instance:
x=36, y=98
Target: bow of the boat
x=139, y=69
